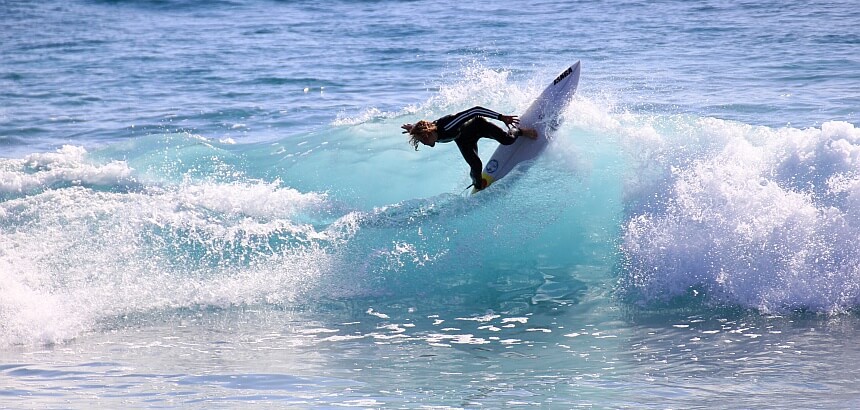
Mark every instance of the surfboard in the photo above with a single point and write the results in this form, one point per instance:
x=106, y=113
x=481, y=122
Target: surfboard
x=544, y=116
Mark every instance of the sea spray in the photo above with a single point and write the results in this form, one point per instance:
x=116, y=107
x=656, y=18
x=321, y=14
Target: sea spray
x=765, y=219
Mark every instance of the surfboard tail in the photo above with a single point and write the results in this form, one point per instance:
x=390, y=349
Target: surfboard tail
x=488, y=180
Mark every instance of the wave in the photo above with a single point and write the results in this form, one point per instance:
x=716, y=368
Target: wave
x=653, y=208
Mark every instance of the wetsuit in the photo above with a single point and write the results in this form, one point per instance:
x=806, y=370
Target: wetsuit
x=466, y=128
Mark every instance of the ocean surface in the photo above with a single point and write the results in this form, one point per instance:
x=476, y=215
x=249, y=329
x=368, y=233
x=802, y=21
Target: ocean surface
x=211, y=205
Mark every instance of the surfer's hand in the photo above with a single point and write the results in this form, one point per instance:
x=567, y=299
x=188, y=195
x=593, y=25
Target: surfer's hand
x=407, y=127
x=509, y=120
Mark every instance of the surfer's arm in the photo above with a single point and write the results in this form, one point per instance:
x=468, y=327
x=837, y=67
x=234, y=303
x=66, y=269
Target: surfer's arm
x=462, y=117
x=470, y=154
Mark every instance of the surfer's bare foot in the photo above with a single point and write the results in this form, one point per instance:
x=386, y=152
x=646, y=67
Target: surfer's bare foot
x=527, y=132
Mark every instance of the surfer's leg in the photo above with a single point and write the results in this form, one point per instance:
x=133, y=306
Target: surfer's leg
x=469, y=149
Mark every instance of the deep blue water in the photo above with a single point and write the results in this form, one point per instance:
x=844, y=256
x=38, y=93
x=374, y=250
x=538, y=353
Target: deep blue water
x=210, y=204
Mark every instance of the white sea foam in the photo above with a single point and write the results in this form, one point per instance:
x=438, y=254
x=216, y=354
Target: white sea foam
x=765, y=218
x=66, y=165
x=71, y=257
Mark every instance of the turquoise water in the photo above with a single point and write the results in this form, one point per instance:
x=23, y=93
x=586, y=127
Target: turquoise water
x=211, y=205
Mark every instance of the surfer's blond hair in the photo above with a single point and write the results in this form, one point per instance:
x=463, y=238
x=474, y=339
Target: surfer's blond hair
x=420, y=128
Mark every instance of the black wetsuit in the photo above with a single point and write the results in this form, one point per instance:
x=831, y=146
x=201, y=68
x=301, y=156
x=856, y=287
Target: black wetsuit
x=466, y=128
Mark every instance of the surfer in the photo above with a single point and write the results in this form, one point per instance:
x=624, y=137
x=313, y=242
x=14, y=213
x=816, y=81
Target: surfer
x=466, y=128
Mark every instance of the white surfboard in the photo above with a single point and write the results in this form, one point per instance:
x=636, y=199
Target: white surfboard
x=544, y=117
